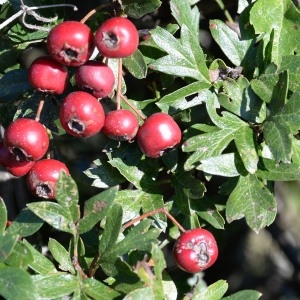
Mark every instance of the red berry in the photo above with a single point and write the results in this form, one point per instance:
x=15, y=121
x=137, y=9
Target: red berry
x=158, y=133
x=195, y=250
x=71, y=43
x=47, y=75
x=8, y=223
x=41, y=179
x=116, y=38
x=96, y=78
x=15, y=167
x=121, y=125
x=26, y=139
x=81, y=114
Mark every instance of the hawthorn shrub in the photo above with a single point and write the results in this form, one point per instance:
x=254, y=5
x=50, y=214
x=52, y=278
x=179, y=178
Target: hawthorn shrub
x=227, y=131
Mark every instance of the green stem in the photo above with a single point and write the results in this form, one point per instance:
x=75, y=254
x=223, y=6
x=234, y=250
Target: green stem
x=226, y=12
x=76, y=264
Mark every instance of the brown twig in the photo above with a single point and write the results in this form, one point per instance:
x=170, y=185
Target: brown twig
x=138, y=112
x=93, y=11
x=151, y=213
x=39, y=110
x=119, y=83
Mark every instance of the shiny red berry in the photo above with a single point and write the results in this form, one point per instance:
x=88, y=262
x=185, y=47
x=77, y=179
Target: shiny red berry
x=81, y=114
x=121, y=125
x=96, y=78
x=158, y=133
x=42, y=178
x=116, y=38
x=26, y=139
x=48, y=75
x=71, y=43
x=195, y=250
x=15, y=167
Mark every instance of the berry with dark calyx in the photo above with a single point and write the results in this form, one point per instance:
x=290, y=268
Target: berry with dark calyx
x=15, y=167
x=71, y=43
x=42, y=178
x=96, y=78
x=195, y=250
x=81, y=114
x=157, y=134
x=117, y=38
x=121, y=125
x=26, y=139
x=48, y=75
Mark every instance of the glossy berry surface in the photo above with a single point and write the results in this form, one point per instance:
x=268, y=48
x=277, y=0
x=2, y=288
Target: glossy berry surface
x=15, y=167
x=195, y=250
x=157, y=134
x=71, y=43
x=116, y=38
x=81, y=114
x=47, y=75
x=121, y=125
x=26, y=139
x=96, y=78
x=42, y=177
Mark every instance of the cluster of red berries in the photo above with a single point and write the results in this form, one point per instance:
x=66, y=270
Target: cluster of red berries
x=71, y=44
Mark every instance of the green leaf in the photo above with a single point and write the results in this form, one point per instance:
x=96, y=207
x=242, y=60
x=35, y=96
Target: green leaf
x=136, y=65
x=61, y=255
x=159, y=266
x=104, y=175
x=40, y=264
x=228, y=165
x=234, y=48
x=137, y=238
x=264, y=85
x=55, y=285
x=176, y=101
x=274, y=171
x=96, y=208
x=141, y=293
x=112, y=228
x=187, y=189
x=184, y=15
x=290, y=113
x=292, y=64
x=206, y=210
x=19, y=33
x=25, y=224
x=185, y=57
x=244, y=141
x=245, y=294
x=252, y=200
x=16, y=283
x=7, y=244
x=13, y=84
x=278, y=138
x=138, y=8
x=97, y=290
x=279, y=94
x=3, y=216
x=20, y=256
x=66, y=194
x=213, y=143
x=213, y=292
x=126, y=279
x=127, y=162
x=240, y=99
x=284, y=17
x=53, y=214
x=133, y=201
